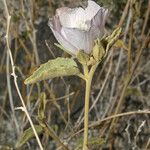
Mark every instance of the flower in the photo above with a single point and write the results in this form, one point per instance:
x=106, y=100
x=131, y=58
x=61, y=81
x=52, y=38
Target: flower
x=76, y=29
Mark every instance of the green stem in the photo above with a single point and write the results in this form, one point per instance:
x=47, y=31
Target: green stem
x=88, y=76
x=86, y=110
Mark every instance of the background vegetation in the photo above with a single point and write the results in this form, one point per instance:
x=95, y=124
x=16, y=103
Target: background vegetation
x=121, y=84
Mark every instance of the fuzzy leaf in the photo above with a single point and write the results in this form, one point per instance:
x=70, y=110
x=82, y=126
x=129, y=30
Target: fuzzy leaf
x=103, y=45
x=120, y=44
x=27, y=135
x=54, y=68
x=111, y=40
x=42, y=105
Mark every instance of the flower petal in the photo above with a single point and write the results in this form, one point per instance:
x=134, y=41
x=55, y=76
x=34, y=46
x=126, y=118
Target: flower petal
x=78, y=17
x=55, y=23
x=82, y=40
x=70, y=17
x=100, y=18
x=55, y=27
x=91, y=10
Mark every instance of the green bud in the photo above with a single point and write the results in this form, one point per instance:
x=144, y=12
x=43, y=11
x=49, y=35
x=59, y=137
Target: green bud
x=98, y=50
x=82, y=57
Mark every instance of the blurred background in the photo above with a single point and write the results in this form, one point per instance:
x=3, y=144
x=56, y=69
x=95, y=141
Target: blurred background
x=121, y=84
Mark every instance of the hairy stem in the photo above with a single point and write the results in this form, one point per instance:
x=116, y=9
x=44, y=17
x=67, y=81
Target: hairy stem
x=88, y=77
x=86, y=110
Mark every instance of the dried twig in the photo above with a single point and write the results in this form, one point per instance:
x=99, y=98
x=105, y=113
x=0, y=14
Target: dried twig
x=15, y=77
x=98, y=123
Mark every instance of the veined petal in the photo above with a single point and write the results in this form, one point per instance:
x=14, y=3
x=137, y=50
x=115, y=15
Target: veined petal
x=99, y=19
x=69, y=18
x=62, y=40
x=55, y=23
x=82, y=40
x=91, y=10
x=69, y=47
x=78, y=17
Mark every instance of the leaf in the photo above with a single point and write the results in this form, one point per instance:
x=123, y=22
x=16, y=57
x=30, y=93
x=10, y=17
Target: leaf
x=54, y=68
x=27, y=135
x=42, y=105
x=120, y=44
x=111, y=40
x=103, y=45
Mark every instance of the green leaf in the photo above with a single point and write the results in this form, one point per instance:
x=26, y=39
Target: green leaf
x=27, y=135
x=111, y=40
x=54, y=68
x=120, y=44
x=103, y=45
x=42, y=105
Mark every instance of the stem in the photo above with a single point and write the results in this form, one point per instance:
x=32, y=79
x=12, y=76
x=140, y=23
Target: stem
x=86, y=110
x=88, y=77
x=48, y=130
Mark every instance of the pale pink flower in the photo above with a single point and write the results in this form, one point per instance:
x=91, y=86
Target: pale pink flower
x=76, y=29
